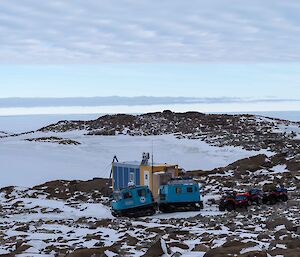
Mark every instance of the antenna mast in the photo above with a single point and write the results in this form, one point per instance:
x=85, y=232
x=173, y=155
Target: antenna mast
x=152, y=157
x=115, y=159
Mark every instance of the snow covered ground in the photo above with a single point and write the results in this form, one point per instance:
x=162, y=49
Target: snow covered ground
x=46, y=227
x=26, y=163
x=53, y=222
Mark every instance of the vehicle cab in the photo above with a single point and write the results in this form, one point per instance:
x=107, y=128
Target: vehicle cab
x=180, y=193
x=133, y=200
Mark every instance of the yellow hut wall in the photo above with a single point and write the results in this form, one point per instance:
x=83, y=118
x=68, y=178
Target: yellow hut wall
x=153, y=169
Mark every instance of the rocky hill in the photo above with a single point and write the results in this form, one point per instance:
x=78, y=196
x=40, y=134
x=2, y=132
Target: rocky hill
x=248, y=131
x=65, y=218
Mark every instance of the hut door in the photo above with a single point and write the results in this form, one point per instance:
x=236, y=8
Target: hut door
x=146, y=178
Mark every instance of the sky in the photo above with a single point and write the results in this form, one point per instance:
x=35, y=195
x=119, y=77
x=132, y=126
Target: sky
x=186, y=80
x=90, y=31
x=203, y=49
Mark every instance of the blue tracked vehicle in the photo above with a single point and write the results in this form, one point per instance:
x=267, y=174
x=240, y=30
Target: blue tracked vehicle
x=180, y=194
x=133, y=201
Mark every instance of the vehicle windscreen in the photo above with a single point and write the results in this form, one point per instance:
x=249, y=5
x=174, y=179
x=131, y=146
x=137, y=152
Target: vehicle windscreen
x=127, y=195
x=117, y=196
x=141, y=192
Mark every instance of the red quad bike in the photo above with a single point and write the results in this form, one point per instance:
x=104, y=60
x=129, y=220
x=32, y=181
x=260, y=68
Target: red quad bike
x=255, y=196
x=276, y=195
x=233, y=201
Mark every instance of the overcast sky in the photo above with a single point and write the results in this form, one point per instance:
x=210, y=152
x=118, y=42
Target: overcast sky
x=195, y=48
x=91, y=31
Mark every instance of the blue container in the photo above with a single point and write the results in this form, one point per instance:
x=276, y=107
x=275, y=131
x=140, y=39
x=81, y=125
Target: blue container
x=125, y=172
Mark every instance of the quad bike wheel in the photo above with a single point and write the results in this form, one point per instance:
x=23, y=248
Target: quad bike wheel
x=230, y=207
x=222, y=208
x=273, y=200
x=284, y=198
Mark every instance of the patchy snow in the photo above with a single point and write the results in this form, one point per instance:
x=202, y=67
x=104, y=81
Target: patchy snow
x=86, y=210
x=193, y=254
x=280, y=227
x=2, y=251
x=250, y=249
x=218, y=242
x=26, y=163
x=291, y=128
x=280, y=169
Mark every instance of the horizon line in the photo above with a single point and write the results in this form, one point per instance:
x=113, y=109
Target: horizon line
x=93, y=101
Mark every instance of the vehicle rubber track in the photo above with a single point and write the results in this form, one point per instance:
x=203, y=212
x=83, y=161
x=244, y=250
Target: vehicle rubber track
x=180, y=207
x=147, y=210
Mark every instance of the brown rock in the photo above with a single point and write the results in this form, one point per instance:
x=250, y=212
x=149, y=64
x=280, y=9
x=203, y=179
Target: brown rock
x=179, y=245
x=231, y=247
x=253, y=163
x=155, y=250
x=294, y=244
x=23, y=228
x=93, y=252
x=272, y=223
x=130, y=240
x=200, y=248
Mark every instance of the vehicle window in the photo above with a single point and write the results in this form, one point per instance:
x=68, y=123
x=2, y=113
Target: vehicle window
x=127, y=195
x=178, y=190
x=141, y=192
x=189, y=189
x=117, y=196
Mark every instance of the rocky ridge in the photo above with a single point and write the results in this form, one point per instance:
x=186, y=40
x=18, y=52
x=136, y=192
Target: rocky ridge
x=247, y=131
x=52, y=139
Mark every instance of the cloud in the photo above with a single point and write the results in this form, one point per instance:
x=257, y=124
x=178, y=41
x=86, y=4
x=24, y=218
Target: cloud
x=130, y=101
x=89, y=31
